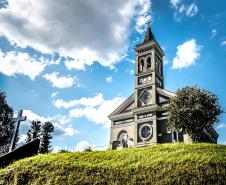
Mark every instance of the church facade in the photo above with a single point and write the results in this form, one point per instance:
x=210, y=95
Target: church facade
x=141, y=119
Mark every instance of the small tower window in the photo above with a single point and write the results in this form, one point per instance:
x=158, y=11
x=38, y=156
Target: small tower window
x=141, y=65
x=160, y=68
x=149, y=63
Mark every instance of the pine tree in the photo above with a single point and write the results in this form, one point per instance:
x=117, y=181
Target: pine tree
x=34, y=132
x=6, y=124
x=47, y=129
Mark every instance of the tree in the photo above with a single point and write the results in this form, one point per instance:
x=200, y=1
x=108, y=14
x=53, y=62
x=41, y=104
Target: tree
x=34, y=132
x=193, y=110
x=6, y=124
x=47, y=129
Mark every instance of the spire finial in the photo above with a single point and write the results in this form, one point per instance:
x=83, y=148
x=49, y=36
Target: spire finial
x=149, y=21
x=149, y=36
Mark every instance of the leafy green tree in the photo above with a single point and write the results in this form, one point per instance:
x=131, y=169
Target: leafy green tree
x=193, y=110
x=6, y=125
x=34, y=132
x=46, y=133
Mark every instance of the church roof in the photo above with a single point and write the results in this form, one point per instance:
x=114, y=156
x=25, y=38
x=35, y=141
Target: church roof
x=126, y=106
x=129, y=104
x=148, y=36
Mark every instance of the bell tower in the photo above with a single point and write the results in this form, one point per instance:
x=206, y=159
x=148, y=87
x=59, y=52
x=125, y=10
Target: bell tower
x=141, y=119
x=149, y=70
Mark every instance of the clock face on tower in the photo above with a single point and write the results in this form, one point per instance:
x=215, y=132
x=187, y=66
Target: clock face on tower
x=145, y=97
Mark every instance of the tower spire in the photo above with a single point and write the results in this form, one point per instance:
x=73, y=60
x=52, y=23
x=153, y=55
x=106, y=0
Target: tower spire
x=149, y=35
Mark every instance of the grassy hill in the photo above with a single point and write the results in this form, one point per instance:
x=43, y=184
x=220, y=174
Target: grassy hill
x=159, y=164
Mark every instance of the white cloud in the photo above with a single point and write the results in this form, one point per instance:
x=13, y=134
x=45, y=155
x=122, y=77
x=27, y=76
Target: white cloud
x=175, y=3
x=12, y=63
x=131, y=71
x=222, y=125
x=192, y=10
x=82, y=145
x=31, y=116
x=85, y=31
x=22, y=138
x=213, y=33
x=98, y=114
x=59, y=130
x=60, y=81
x=109, y=79
x=187, y=54
x=182, y=9
x=54, y=94
x=223, y=43
x=91, y=102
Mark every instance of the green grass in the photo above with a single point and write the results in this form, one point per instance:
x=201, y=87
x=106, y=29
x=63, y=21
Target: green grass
x=159, y=164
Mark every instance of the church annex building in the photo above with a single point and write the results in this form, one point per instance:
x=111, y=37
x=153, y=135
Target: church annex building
x=141, y=120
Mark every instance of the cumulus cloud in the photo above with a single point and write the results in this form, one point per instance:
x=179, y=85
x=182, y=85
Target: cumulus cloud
x=59, y=129
x=182, y=9
x=82, y=31
x=60, y=81
x=187, y=54
x=95, y=109
x=98, y=114
x=13, y=63
x=91, y=102
x=109, y=79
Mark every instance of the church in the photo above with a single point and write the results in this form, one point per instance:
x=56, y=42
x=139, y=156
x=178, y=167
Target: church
x=141, y=120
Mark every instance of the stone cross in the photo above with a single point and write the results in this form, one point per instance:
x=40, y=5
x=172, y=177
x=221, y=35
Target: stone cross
x=17, y=121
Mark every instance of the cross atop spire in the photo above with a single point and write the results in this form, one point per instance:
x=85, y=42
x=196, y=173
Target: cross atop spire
x=149, y=22
x=149, y=35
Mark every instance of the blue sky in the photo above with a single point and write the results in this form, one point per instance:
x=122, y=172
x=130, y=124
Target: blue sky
x=72, y=62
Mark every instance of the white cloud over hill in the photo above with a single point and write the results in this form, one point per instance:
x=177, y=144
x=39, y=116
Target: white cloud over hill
x=85, y=31
x=96, y=109
x=58, y=120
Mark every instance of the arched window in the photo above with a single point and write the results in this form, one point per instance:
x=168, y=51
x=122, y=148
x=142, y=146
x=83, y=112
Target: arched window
x=149, y=63
x=141, y=65
x=123, y=139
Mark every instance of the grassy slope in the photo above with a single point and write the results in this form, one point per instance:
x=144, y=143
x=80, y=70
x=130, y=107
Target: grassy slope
x=159, y=164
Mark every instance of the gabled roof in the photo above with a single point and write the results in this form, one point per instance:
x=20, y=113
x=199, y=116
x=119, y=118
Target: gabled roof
x=126, y=106
x=165, y=92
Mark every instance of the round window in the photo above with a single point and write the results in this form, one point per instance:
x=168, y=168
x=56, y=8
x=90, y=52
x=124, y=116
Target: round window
x=145, y=132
